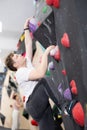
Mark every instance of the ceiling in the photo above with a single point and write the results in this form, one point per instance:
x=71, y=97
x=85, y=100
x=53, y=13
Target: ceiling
x=13, y=14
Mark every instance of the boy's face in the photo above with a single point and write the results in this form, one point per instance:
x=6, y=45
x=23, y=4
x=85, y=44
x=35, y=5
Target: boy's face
x=19, y=60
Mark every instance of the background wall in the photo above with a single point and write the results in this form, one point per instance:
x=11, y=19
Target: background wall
x=6, y=110
x=13, y=15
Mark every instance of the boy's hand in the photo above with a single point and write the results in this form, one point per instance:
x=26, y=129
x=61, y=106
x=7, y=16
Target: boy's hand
x=49, y=48
x=26, y=24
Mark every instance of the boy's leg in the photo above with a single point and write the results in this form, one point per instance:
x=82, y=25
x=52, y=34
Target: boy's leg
x=47, y=121
x=38, y=102
x=52, y=91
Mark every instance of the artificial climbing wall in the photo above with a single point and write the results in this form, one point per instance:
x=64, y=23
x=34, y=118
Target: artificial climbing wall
x=70, y=19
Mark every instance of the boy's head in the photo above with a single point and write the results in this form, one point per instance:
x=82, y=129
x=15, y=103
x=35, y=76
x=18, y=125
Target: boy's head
x=9, y=62
x=14, y=61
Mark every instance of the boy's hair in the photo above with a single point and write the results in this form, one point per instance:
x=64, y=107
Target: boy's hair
x=9, y=62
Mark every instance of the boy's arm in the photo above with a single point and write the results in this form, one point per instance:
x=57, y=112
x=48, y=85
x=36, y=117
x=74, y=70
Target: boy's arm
x=40, y=71
x=28, y=40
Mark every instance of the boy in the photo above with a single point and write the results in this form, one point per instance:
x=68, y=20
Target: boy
x=31, y=80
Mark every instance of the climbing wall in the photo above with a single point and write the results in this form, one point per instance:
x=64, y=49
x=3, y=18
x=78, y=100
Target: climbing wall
x=71, y=18
x=45, y=34
x=70, y=24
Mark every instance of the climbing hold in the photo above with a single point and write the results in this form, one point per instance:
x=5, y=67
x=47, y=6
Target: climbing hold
x=56, y=3
x=49, y=2
x=22, y=37
x=33, y=25
x=48, y=73
x=57, y=55
x=39, y=23
x=44, y=10
x=73, y=87
x=74, y=90
x=64, y=72
x=65, y=40
x=60, y=89
x=67, y=94
x=34, y=123
x=78, y=114
x=51, y=65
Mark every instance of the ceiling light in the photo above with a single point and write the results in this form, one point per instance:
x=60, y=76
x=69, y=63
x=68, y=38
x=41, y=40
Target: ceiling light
x=0, y=26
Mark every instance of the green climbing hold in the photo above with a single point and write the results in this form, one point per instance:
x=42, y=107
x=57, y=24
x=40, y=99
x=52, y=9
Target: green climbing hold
x=44, y=10
x=47, y=73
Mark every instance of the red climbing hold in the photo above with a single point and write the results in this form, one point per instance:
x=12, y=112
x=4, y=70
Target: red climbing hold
x=33, y=122
x=78, y=114
x=39, y=23
x=73, y=87
x=64, y=72
x=49, y=2
x=56, y=3
x=65, y=40
x=57, y=55
x=74, y=90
